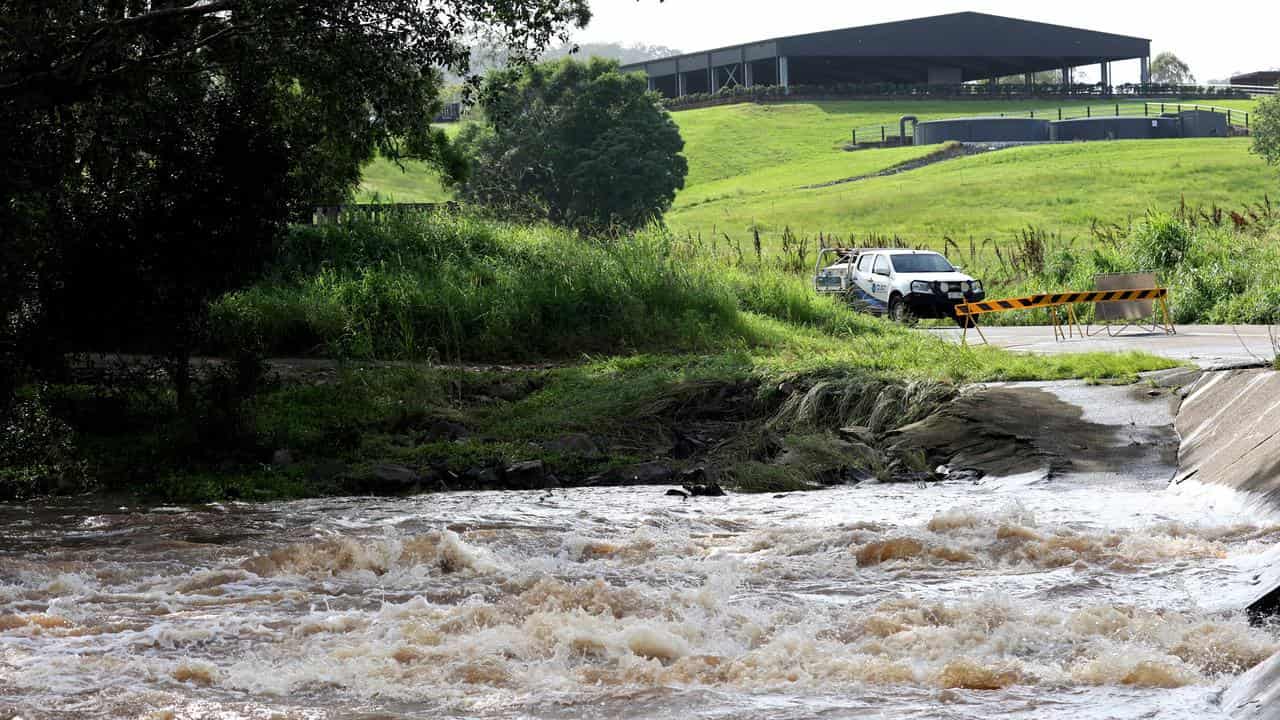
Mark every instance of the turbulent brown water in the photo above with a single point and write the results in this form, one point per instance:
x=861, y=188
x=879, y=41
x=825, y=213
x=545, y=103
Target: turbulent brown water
x=1008, y=597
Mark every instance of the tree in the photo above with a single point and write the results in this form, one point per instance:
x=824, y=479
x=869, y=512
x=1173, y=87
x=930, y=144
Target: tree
x=1168, y=69
x=154, y=149
x=579, y=144
x=1265, y=128
x=624, y=54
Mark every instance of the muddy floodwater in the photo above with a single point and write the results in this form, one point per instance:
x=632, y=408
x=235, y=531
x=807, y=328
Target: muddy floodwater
x=1016, y=597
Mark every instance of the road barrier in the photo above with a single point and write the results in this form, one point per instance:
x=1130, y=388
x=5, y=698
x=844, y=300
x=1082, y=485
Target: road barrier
x=1053, y=301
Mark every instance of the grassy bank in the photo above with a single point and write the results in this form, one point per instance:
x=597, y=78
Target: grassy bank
x=454, y=288
x=649, y=350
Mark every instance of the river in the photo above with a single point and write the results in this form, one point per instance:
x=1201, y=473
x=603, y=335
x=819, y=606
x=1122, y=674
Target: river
x=1015, y=597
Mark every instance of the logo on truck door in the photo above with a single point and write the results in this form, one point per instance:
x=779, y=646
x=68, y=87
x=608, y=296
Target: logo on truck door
x=879, y=287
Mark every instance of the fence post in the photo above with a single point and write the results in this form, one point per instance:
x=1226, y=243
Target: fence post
x=882, y=136
x=1059, y=113
x=1146, y=109
x=855, y=136
x=1088, y=111
x=1161, y=108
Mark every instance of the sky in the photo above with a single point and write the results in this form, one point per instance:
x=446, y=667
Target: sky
x=1216, y=40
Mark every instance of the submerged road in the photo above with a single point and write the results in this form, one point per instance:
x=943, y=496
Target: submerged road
x=1208, y=346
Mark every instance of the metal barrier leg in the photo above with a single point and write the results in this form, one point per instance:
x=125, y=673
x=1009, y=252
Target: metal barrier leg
x=1168, y=320
x=981, y=334
x=971, y=321
x=1075, y=321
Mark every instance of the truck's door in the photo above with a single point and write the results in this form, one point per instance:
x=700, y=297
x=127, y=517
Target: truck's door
x=880, y=285
x=864, y=284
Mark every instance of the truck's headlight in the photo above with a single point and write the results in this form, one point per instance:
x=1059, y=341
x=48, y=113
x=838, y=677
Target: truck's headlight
x=920, y=286
x=976, y=286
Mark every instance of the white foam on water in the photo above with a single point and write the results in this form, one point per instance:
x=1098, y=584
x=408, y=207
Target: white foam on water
x=1025, y=599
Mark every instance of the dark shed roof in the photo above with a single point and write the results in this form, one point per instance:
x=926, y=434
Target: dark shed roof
x=964, y=34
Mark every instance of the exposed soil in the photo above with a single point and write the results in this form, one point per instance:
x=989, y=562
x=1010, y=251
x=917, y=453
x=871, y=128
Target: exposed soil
x=950, y=151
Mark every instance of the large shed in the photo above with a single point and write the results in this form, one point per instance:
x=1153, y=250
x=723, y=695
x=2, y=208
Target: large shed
x=1262, y=78
x=940, y=50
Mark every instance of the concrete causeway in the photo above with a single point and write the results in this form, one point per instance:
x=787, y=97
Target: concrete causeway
x=1209, y=346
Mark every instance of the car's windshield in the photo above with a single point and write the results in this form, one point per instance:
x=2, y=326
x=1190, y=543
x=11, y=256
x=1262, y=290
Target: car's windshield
x=921, y=263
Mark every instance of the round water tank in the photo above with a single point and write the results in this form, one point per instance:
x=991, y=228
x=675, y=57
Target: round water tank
x=982, y=129
x=1114, y=128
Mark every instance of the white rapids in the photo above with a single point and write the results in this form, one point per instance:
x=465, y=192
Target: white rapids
x=1013, y=598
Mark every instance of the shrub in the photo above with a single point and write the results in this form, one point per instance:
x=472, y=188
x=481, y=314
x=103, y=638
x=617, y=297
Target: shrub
x=37, y=452
x=579, y=144
x=1160, y=242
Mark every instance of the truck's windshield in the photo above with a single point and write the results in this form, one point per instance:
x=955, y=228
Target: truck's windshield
x=921, y=263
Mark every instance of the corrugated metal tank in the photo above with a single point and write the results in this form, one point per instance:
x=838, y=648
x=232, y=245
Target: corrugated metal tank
x=982, y=130
x=1114, y=128
x=1203, y=123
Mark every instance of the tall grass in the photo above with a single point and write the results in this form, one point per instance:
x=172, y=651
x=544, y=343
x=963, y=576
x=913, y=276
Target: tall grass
x=453, y=286
x=1220, y=267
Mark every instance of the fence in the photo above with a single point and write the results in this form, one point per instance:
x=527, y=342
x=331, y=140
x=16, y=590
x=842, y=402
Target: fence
x=967, y=91
x=1251, y=89
x=335, y=213
x=885, y=134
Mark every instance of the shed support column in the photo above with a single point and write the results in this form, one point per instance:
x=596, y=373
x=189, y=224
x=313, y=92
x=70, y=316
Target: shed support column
x=712, y=86
x=784, y=78
x=681, y=85
x=1146, y=71
x=1106, y=78
x=1029, y=80
x=992, y=84
x=650, y=79
x=748, y=78
x=1066, y=78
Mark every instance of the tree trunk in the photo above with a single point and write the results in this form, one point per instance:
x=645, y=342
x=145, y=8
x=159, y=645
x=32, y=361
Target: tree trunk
x=180, y=372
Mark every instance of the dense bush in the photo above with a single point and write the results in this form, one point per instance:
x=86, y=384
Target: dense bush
x=1266, y=129
x=37, y=451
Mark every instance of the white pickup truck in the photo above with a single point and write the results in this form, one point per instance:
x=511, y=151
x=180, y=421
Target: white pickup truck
x=899, y=284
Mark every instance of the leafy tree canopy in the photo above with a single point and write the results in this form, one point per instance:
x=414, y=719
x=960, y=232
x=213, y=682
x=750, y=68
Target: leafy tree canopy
x=1265, y=128
x=1169, y=69
x=577, y=143
x=154, y=149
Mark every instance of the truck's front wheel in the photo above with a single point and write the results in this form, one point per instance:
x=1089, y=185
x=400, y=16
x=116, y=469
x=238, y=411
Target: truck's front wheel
x=898, y=309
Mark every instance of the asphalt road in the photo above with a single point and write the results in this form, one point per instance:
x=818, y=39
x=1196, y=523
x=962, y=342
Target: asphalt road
x=1206, y=345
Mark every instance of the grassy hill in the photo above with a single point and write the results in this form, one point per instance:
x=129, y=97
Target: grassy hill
x=415, y=182
x=1060, y=188
x=754, y=166
x=733, y=141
